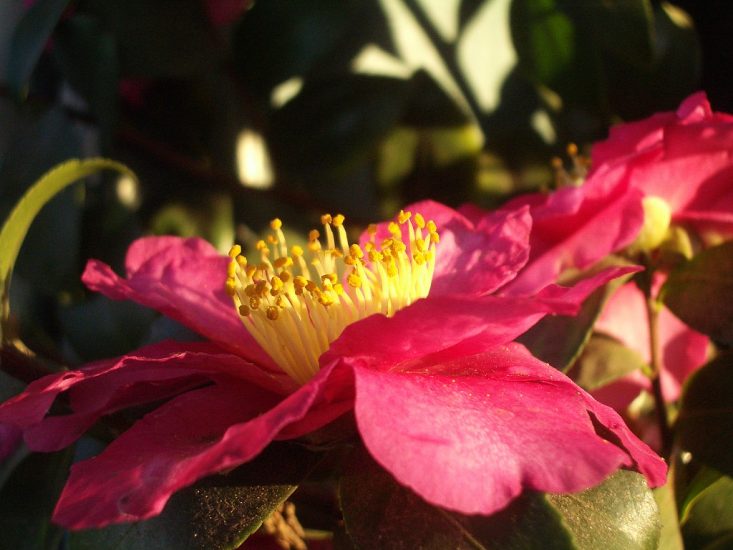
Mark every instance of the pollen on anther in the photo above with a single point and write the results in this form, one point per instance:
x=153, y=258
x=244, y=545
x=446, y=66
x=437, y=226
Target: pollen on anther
x=276, y=224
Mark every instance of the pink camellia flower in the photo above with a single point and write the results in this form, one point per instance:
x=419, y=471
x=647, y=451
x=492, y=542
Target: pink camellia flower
x=408, y=335
x=681, y=158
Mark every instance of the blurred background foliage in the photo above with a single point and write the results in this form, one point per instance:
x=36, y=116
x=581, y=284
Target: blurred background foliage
x=232, y=112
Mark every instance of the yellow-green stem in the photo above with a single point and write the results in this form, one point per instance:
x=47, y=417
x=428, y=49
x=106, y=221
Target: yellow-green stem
x=653, y=307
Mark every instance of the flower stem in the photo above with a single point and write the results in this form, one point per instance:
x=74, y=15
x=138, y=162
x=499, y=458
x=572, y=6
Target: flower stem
x=653, y=307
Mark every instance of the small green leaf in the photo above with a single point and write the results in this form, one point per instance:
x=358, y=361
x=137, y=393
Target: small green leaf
x=604, y=359
x=710, y=516
x=618, y=514
x=218, y=513
x=699, y=292
x=27, y=500
x=705, y=421
x=29, y=39
x=19, y=221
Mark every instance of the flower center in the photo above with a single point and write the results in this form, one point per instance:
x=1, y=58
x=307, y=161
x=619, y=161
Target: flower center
x=295, y=304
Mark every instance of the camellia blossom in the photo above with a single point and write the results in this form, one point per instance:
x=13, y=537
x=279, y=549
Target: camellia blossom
x=673, y=167
x=681, y=159
x=404, y=328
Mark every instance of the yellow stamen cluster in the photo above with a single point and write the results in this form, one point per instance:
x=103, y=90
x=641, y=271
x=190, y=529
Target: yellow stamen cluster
x=295, y=306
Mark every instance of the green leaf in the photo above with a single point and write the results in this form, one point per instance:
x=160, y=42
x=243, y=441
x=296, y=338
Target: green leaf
x=27, y=500
x=699, y=292
x=670, y=537
x=19, y=221
x=618, y=514
x=29, y=39
x=705, y=421
x=603, y=360
x=709, y=520
x=219, y=512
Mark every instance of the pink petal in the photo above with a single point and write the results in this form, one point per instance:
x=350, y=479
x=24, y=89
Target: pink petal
x=472, y=432
x=151, y=373
x=578, y=226
x=199, y=433
x=10, y=438
x=473, y=258
x=431, y=325
x=183, y=279
x=683, y=350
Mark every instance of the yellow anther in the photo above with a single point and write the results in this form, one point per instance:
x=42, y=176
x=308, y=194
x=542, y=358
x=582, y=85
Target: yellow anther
x=231, y=287
x=398, y=247
x=572, y=150
x=285, y=261
x=392, y=269
x=354, y=280
x=277, y=285
x=330, y=277
x=375, y=256
x=261, y=288
x=332, y=274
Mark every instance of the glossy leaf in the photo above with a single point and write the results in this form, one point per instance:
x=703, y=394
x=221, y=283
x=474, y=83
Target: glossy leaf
x=709, y=520
x=696, y=292
x=603, y=360
x=27, y=499
x=618, y=514
x=705, y=421
x=19, y=221
x=218, y=513
x=29, y=39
